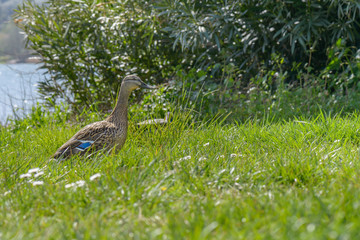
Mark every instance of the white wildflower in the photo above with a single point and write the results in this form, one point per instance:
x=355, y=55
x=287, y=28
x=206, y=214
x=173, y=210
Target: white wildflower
x=95, y=176
x=181, y=159
x=34, y=170
x=79, y=183
x=7, y=192
x=25, y=175
x=70, y=185
x=39, y=174
x=311, y=227
x=185, y=158
x=206, y=144
x=202, y=159
x=36, y=183
x=233, y=155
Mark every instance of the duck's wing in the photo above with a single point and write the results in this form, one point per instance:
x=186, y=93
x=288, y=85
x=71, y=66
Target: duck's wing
x=94, y=136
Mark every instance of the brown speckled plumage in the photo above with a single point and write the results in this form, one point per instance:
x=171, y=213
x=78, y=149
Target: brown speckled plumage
x=108, y=133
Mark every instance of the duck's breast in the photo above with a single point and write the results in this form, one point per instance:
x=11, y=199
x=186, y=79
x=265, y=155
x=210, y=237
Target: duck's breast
x=120, y=136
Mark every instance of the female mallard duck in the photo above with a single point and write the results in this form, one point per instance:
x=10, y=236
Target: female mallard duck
x=107, y=133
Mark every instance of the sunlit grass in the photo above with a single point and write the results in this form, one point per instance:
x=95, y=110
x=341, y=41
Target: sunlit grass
x=186, y=180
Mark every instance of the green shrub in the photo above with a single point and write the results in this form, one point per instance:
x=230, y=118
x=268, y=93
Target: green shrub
x=87, y=47
x=216, y=51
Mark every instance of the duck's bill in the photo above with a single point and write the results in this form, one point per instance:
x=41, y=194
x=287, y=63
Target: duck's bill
x=144, y=85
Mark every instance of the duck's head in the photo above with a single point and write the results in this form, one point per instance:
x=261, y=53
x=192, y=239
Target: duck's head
x=133, y=82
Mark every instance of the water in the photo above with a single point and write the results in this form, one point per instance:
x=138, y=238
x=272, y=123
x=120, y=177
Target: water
x=18, y=89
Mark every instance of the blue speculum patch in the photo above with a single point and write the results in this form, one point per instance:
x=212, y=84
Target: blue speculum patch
x=84, y=145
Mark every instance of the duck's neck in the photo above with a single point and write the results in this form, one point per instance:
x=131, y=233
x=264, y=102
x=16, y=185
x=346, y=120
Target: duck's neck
x=120, y=112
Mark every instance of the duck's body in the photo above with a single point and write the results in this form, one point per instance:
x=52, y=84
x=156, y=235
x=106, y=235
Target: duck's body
x=95, y=136
x=105, y=134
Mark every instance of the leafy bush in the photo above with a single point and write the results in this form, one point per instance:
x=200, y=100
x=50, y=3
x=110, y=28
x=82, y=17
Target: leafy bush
x=87, y=47
x=217, y=49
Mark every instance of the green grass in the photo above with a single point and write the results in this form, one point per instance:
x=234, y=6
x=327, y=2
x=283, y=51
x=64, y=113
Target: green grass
x=254, y=180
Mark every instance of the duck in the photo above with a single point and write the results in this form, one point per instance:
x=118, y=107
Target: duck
x=108, y=134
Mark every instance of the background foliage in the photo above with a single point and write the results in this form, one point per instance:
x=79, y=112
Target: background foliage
x=230, y=54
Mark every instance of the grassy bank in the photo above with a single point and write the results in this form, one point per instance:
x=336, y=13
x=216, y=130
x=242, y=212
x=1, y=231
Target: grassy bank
x=254, y=180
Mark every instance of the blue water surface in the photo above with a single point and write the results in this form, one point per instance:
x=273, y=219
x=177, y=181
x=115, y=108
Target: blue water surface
x=18, y=89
